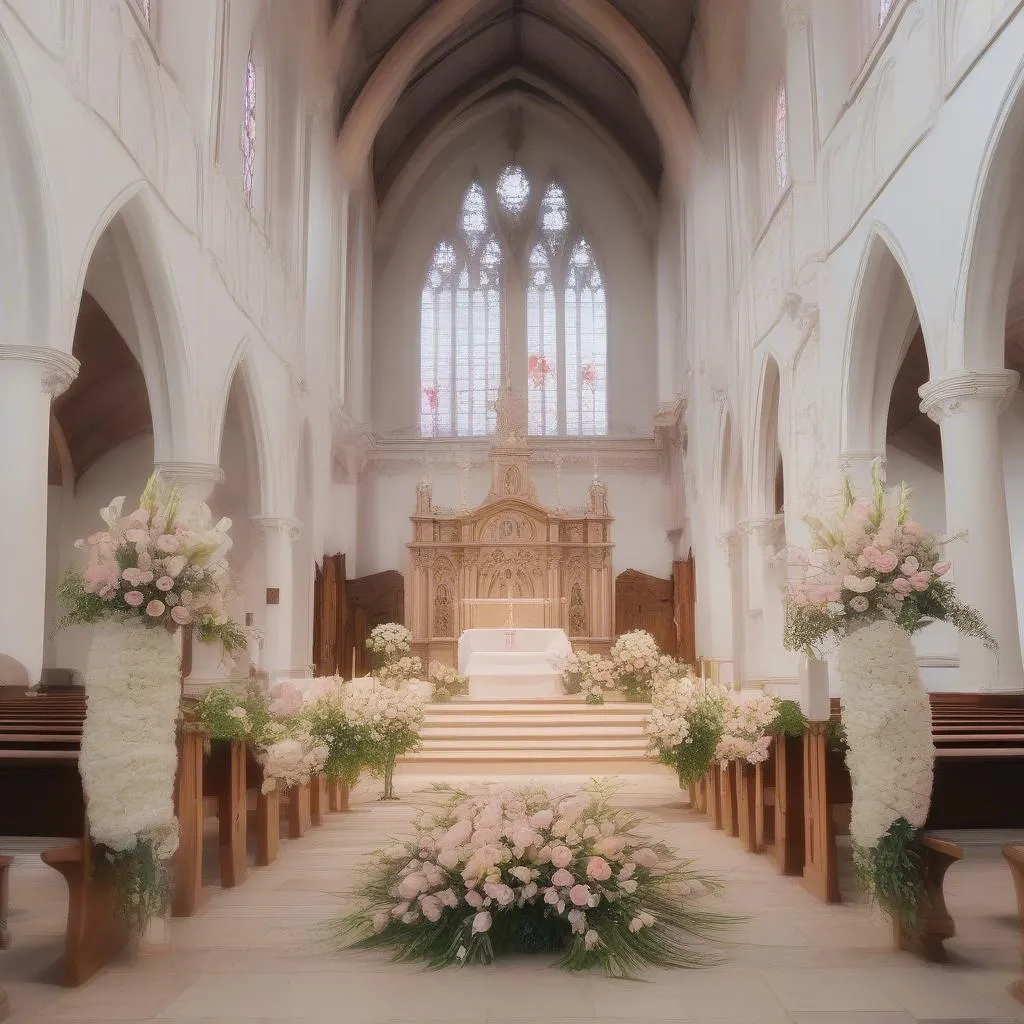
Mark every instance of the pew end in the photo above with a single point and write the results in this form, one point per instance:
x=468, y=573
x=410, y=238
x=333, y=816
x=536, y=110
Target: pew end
x=1015, y=858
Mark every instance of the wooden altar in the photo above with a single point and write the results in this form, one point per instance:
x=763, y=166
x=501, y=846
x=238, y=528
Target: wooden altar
x=510, y=546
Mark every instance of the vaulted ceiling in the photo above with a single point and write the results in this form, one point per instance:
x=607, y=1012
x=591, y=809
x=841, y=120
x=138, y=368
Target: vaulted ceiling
x=517, y=46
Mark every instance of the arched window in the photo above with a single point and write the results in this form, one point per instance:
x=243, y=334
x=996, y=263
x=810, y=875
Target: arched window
x=884, y=7
x=249, y=130
x=781, y=139
x=566, y=343
x=460, y=328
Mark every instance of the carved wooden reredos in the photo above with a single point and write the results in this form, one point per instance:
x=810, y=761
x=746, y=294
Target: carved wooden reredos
x=510, y=544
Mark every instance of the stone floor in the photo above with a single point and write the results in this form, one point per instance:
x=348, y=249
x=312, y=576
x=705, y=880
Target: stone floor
x=256, y=954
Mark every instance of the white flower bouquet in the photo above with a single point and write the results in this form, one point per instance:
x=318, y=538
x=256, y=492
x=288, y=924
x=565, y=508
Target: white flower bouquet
x=396, y=671
x=447, y=682
x=291, y=760
x=589, y=674
x=387, y=642
x=519, y=870
x=748, y=727
x=163, y=564
x=635, y=659
x=870, y=561
x=686, y=723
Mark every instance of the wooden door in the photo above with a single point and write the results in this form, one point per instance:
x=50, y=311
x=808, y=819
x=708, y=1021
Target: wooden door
x=646, y=602
x=372, y=601
x=684, y=595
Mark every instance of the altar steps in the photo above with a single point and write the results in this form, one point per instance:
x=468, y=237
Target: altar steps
x=536, y=735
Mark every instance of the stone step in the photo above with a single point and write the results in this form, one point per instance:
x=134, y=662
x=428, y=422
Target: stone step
x=520, y=742
x=506, y=730
x=537, y=706
x=526, y=754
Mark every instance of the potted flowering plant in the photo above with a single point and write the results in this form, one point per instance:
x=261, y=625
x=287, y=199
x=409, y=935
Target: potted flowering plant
x=447, y=682
x=873, y=577
x=151, y=572
x=589, y=674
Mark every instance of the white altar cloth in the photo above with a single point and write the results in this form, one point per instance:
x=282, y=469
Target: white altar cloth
x=511, y=664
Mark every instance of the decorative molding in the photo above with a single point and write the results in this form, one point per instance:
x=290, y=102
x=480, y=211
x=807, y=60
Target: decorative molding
x=58, y=369
x=946, y=395
x=291, y=528
x=350, y=443
x=191, y=474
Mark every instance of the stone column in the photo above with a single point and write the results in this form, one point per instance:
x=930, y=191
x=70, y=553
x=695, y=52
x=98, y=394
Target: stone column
x=29, y=378
x=194, y=480
x=966, y=404
x=278, y=534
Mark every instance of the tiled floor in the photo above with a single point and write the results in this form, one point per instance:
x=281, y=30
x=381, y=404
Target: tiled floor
x=256, y=953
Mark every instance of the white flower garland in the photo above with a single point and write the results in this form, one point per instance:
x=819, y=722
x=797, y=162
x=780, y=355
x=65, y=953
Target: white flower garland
x=887, y=717
x=129, y=755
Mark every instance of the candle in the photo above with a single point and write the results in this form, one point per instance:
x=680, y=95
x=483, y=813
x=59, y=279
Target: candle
x=353, y=664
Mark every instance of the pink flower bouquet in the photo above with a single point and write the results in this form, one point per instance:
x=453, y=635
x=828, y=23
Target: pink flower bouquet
x=164, y=563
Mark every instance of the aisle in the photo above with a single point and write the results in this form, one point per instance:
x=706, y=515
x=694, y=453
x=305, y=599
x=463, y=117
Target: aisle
x=253, y=953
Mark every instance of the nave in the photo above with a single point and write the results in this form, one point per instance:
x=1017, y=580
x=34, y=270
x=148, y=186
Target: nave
x=256, y=953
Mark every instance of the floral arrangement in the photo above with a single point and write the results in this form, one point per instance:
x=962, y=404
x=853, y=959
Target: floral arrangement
x=228, y=715
x=589, y=674
x=390, y=721
x=869, y=562
x=291, y=760
x=748, y=728
x=686, y=723
x=875, y=576
x=387, y=642
x=635, y=658
x=396, y=671
x=447, y=682
x=164, y=564
x=519, y=870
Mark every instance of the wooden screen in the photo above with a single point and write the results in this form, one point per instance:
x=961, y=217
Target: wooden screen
x=329, y=609
x=372, y=601
x=685, y=609
x=646, y=602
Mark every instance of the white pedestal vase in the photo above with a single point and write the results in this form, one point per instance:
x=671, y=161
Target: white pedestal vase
x=129, y=755
x=891, y=756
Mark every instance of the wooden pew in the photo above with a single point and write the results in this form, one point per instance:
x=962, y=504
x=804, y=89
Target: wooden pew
x=338, y=796
x=780, y=795
x=1015, y=858
x=298, y=811
x=745, y=782
x=5, y=901
x=727, y=784
x=225, y=780
x=268, y=813
x=934, y=924
x=188, y=893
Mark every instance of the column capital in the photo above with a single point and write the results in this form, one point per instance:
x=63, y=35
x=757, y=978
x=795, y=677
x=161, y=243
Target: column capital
x=291, y=528
x=945, y=396
x=57, y=369
x=196, y=479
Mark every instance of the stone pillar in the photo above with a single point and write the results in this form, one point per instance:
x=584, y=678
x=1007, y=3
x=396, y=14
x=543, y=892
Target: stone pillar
x=966, y=404
x=278, y=534
x=29, y=378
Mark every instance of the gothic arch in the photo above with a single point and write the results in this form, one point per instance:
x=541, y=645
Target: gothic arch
x=766, y=449
x=994, y=238
x=882, y=323
x=29, y=277
x=728, y=472
x=598, y=18
x=128, y=222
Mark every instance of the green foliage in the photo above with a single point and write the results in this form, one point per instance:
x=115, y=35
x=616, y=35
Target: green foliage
x=809, y=629
x=347, y=744
x=141, y=883
x=80, y=608
x=790, y=721
x=692, y=759
x=892, y=873
x=233, y=636
x=224, y=714
x=835, y=736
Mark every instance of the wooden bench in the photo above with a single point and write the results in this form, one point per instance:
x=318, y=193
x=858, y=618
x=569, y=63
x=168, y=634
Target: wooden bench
x=225, y=780
x=1015, y=858
x=5, y=903
x=934, y=923
x=268, y=813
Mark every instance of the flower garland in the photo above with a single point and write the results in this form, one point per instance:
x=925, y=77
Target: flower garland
x=635, y=658
x=519, y=870
x=447, y=682
x=589, y=674
x=875, y=576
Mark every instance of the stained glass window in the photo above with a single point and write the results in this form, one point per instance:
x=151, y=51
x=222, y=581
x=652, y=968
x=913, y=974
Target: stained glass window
x=586, y=345
x=460, y=328
x=541, y=345
x=249, y=130
x=513, y=190
x=566, y=343
x=884, y=7
x=781, y=139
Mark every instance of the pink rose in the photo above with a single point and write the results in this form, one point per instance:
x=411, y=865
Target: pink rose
x=599, y=869
x=871, y=554
x=168, y=544
x=182, y=616
x=155, y=609
x=609, y=846
x=886, y=562
x=430, y=908
x=910, y=566
x=134, y=598
x=901, y=585
x=561, y=856
x=482, y=922
x=941, y=568
x=626, y=871
x=562, y=878
x=579, y=895
x=474, y=899
x=524, y=836
x=165, y=583
x=551, y=896
x=542, y=819
x=921, y=580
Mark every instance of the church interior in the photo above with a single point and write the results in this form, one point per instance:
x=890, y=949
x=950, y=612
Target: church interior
x=499, y=334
